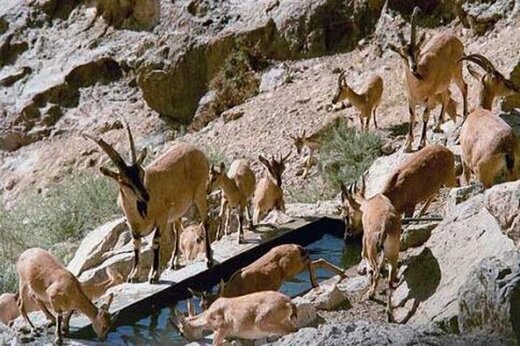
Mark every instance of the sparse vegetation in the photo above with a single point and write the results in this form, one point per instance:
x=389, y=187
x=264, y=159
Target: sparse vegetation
x=345, y=154
x=315, y=190
x=62, y=212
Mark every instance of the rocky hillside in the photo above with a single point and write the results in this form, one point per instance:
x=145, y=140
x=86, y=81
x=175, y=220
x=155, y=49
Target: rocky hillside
x=238, y=78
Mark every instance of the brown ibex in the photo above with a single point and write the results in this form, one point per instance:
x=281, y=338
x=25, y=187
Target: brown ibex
x=160, y=193
x=50, y=284
x=428, y=72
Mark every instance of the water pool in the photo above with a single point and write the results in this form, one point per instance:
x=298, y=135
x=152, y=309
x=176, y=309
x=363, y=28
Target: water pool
x=156, y=329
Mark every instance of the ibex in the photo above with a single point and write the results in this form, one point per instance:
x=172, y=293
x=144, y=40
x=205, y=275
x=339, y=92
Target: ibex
x=492, y=84
x=252, y=316
x=416, y=180
x=490, y=148
x=366, y=101
x=279, y=264
x=9, y=301
x=192, y=241
x=381, y=231
x=428, y=72
x=50, y=284
x=162, y=192
x=238, y=186
x=268, y=193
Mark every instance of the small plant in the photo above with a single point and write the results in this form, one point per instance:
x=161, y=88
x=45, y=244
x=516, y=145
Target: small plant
x=236, y=81
x=62, y=212
x=313, y=191
x=345, y=154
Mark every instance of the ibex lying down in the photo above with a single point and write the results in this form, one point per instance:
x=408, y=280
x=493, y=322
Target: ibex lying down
x=268, y=193
x=162, y=192
x=253, y=316
x=279, y=264
x=366, y=101
x=417, y=180
x=50, y=284
x=238, y=186
x=192, y=241
x=9, y=301
x=428, y=72
x=381, y=231
x=489, y=146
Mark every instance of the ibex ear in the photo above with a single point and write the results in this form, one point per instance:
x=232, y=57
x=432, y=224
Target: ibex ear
x=344, y=192
x=106, y=305
x=142, y=156
x=222, y=167
x=108, y=173
x=264, y=161
x=473, y=72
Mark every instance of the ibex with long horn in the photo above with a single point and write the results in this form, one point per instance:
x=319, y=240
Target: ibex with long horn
x=428, y=72
x=158, y=194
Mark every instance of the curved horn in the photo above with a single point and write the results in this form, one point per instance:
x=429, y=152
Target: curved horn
x=285, y=157
x=341, y=77
x=413, y=32
x=481, y=61
x=132, y=144
x=109, y=150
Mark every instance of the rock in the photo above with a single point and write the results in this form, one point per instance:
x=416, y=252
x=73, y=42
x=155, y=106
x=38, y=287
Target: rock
x=354, y=285
x=415, y=235
x=273, y=78
x=313, y=209
x=276, y=217
x=305, y=313
x=370, y=333
x=468, y=234
x=206, y=111
x=503, y=202
x=326, y=296
x=8, y=336
x=381, y=170
x=489, y=299
x=137, y=14
x=460, y=194
x=482, y=16
x=12, y=78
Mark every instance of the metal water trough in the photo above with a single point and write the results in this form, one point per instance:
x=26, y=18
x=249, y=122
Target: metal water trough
x=174, y=286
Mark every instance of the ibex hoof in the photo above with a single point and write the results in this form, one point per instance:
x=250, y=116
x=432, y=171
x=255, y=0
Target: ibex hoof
x=438, y=130
x=209, y=263
x=58, y=342
x=132, y=280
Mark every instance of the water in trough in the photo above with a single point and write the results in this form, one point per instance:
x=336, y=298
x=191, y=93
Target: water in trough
x=157, y=329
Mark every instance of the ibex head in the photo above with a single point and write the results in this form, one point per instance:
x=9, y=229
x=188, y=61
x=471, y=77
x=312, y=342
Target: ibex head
x=129, y=177
x=342, y=90
x=410, y=51
x=299, y=141
x=104, y=320
x=351, y=212
x=275, y=167
x=493, y=83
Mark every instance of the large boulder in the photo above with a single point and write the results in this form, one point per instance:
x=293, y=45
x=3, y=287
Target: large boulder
x=468, y=234
x=369, y=333
x=134, y=14
x=503, y=202
x=489, y=301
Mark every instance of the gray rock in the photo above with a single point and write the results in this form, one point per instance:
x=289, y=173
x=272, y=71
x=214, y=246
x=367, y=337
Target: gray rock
x=503, y=202
x=326, y=296
x=273, y=78
x=354, y=285
x=369, y=333
x=489, y=300
x=415, y=235
x=460, y=194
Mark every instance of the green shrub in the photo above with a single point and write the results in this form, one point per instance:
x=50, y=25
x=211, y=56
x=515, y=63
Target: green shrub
x=236, y=81
x=345, y=154
x=63, y=212
x=316, y=189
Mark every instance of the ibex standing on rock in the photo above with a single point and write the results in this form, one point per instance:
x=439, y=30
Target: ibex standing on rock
x=269, y=194
x=381, y=231
x=162, y=192
x=366, y=101
x=428, y=72
x=238, y=186
x=48, y=282
x=490, y=148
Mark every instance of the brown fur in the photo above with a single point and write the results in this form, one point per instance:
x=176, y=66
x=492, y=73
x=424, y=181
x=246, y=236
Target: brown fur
x=252, y=316
x=489, y=148
x=192, y=241
x=428, y=72
x=366, y=100
x=54, y=288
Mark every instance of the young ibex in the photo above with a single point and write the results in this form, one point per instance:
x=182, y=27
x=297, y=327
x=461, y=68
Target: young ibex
x=416, y=180
x=366, y=101
x=268, y=193
x=490, y=148
x=252, y=316
x=50, y=284
x=279, y=264
x=428, y=72
x=162, y=192
x=493, y=84
x=9, y=301
x=191, y=241
x=381, y=231
x=238, y=186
